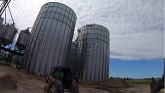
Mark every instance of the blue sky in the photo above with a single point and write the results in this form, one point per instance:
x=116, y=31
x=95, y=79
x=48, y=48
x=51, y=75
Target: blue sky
x=136, y=30
x=136, y=68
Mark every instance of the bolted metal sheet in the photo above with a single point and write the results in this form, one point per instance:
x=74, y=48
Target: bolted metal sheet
x=93, y=52
x=51, y=38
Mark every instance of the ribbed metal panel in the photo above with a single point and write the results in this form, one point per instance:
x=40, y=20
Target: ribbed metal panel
x=23, y=39
x=1, y=20
x=51, y=38
x=73, y=57
x=93, y=51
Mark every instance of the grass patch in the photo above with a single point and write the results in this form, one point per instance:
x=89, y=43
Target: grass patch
x=138, y=81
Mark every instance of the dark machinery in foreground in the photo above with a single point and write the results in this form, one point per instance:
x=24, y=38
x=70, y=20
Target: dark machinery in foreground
x=63, y=74
x=157, y=85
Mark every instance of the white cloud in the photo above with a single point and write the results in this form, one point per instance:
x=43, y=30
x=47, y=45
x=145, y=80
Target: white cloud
x=137, y=46
x=136, y=26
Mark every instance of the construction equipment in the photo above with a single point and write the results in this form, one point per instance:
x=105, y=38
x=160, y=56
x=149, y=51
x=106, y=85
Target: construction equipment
x=59, y=74
x=53, y=85
x=157, y=85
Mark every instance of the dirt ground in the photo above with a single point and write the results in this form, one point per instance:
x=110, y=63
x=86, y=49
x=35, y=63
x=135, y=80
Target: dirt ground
x=14, y=80
x=138, y=89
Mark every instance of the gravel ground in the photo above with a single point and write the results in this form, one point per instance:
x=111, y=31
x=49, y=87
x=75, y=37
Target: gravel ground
x=139, y=88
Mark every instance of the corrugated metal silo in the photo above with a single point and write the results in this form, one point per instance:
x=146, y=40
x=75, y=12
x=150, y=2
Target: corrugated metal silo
x=23, y=39
x=93, y=50
x=73, y=56
x=50, y=39
x=8, y=34
x=1, y=21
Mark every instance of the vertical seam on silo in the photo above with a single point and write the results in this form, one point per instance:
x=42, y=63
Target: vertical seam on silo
x=51, y=41
x=64, y=55
x=56, y=42
x=35, y=35
x=99, y=56
x=105, y=44
x=90, y=48
x=62, y=38
x=92, y=58
x=100, y=62
x=94, y=30
x=82, y=54
x=40, y=44
x=101, y=52
x=44, y=39
x=47, y=38
x=65, y=50
x=58, y=38
x=29, y=47
x=71, y=33
x=103, y=71
x=38, y=30
x=55, y=47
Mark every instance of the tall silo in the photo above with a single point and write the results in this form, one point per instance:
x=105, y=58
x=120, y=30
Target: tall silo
x=8, y=33
x=1, y=21
x=51, y=38
x=93, y=50
x=73, y=56
x=23, y=39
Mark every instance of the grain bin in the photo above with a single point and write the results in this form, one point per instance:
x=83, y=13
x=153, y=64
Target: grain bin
x=1, y=21
x=8, y=33
x=73, y=56
x=23, y=39
x=51, y=38
x=93, y=51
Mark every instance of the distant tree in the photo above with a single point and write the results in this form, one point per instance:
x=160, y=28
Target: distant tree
x=127, y=78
